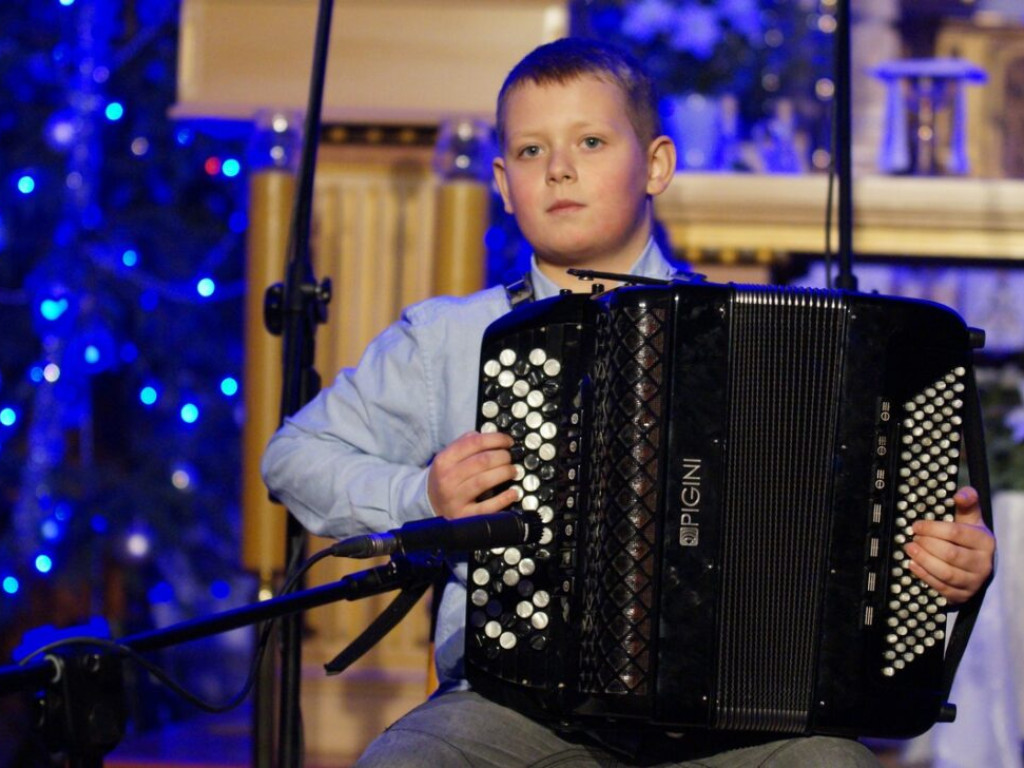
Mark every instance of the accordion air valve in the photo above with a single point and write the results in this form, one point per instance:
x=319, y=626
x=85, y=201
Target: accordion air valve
x=726, y=476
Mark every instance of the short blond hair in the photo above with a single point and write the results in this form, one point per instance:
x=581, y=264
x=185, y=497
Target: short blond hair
x=569, y=58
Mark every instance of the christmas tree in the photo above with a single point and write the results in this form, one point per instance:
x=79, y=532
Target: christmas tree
x=121, y=290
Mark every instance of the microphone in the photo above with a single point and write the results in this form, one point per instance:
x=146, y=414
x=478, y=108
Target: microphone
x=465, y=534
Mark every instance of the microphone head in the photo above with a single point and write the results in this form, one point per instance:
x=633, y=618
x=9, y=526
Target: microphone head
x=533, y=527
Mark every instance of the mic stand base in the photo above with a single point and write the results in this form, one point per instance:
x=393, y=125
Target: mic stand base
x=80, y=690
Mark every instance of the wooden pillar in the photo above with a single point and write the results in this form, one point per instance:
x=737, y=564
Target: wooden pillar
x=263, y=521
x=462, y=219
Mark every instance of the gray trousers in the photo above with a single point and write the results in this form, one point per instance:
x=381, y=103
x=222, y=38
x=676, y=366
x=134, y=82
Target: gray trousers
x=462, y=729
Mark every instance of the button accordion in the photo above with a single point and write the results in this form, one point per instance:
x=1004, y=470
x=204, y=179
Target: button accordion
x=727, y=476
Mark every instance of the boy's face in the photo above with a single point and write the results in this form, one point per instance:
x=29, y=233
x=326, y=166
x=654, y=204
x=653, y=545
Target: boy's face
x=576, y=176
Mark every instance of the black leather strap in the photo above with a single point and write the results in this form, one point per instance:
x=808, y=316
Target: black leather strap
x=520, y=291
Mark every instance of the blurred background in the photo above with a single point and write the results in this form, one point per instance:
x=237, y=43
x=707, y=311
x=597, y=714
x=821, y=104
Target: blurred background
x=146, y=179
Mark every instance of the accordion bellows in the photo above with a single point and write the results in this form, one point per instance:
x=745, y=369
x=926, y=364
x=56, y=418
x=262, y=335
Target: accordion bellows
x=727, y=476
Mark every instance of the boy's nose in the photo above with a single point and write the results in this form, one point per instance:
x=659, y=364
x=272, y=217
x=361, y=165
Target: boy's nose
x=560, y=168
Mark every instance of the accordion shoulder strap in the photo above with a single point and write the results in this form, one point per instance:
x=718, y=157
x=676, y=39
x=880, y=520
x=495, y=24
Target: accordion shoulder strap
x=520, y=291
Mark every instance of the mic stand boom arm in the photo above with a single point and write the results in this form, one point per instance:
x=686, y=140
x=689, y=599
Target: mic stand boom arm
x=70, y=714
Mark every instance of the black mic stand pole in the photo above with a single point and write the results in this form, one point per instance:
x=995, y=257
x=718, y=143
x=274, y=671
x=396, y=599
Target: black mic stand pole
x=294, y=310
x=845, y=279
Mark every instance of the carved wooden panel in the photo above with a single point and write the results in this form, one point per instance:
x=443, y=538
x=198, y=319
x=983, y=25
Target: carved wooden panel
x=374, y=224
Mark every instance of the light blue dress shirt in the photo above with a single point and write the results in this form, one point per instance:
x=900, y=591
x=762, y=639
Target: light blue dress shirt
x=354, y=460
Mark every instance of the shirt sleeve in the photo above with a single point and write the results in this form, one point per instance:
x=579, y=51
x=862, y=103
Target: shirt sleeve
x=353, y=460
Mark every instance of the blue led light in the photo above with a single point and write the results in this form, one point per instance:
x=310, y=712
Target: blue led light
x=49, y=529
x=189, y=413
x=8, y=416
x=51, y=309
x=26, y=185
x=238, y=222
x=148, y=395
x=231, y=167
x=114, y=111
x=130, y=258
x=44, y=564
x=220, y=589
x=11, y=585
x=92, y=355
x=206, y=287
x=161, y=592
x=229, y=386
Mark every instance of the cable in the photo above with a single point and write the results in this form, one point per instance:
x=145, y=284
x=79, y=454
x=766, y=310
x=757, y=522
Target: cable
x=830, y=190
x=125, y=651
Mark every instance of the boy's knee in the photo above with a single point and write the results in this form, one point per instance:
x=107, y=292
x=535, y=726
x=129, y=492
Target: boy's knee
x=823, y=750
x=411, y=749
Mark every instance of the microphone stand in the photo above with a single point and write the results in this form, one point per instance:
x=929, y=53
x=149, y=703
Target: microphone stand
x=845, y=279
x=83, y=709
x=293, y=310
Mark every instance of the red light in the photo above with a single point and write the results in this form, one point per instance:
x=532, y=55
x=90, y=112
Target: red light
x=212, y=166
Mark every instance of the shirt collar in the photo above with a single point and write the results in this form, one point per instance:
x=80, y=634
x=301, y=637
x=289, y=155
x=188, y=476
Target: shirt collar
x=651, y=263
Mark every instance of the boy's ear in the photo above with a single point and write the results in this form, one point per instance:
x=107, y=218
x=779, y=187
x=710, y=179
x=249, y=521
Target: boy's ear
x=661, y=164
x=501, y=179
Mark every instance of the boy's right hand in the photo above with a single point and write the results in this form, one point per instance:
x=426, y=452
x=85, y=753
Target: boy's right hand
x=473, y=464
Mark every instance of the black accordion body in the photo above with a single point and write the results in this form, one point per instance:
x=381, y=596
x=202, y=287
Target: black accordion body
x=726, y=476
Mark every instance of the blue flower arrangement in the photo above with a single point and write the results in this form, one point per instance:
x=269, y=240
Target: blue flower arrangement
x=689, y=46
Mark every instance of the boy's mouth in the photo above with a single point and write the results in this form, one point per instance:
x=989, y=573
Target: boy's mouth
x=564, y=205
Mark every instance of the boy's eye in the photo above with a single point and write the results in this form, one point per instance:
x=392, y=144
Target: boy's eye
x=592, y=141
x=530, y=151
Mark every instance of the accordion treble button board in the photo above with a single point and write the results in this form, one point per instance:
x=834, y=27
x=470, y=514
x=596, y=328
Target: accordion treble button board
x=519, y=595
x=926, y=460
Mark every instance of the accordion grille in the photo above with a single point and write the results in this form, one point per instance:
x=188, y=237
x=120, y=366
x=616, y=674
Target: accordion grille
x=785, y=374
x=618, y=630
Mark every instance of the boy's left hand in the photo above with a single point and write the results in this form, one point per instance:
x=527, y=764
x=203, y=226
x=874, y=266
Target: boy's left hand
x=954, y=557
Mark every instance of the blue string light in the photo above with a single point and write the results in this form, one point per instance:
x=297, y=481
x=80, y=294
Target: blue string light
x=52, y=309
x=49, y=530
x=229, y=386
x=161, y=592
x=220, y=589
x=206, y=287
x=148, y=395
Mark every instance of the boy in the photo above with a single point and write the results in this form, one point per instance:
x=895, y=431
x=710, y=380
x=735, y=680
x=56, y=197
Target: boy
x=392, y=440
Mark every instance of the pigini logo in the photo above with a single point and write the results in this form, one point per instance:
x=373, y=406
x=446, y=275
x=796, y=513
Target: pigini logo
x=689, y=503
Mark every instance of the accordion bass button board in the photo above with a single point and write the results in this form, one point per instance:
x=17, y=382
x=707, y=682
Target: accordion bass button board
x=727, y=477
